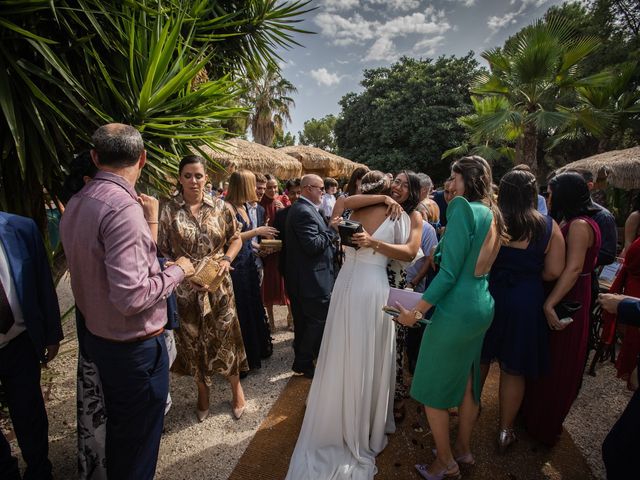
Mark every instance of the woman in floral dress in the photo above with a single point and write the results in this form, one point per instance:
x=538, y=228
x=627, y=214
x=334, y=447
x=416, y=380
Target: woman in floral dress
x=209, y=339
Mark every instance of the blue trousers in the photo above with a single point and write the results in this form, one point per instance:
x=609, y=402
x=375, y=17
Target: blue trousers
x=20, y=377
x=135, y=384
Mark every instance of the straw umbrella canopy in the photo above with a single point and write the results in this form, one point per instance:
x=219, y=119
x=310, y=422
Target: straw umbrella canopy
x=323, y=163
x=618, y=168
x=238, y=154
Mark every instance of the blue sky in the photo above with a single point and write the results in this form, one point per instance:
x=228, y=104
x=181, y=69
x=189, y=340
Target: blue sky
x=352, y=35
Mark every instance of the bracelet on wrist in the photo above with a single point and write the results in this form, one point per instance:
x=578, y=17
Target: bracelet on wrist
x=227, y=258
x=152, y=222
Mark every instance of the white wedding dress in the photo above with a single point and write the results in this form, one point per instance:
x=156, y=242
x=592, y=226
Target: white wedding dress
x=350, y=404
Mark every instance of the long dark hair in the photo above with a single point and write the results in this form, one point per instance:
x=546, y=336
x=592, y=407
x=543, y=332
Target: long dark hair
x=356, y=175
x=570, y=197
x=478, y=187
x=517, y=200
x=412, y=201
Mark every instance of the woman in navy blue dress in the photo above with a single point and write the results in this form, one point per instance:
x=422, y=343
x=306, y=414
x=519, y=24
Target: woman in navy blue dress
x=519, y=335
x=246, y=283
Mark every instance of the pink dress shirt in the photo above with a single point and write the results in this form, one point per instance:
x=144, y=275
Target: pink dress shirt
x=115, y=276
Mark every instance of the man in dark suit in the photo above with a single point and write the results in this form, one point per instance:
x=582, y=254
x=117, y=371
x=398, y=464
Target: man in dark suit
x=309, y=272
x=30, y=333
x=622, y=443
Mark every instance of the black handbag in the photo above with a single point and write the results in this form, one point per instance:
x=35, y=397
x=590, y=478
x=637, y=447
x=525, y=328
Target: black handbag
x=346, y=229
x=567, y=309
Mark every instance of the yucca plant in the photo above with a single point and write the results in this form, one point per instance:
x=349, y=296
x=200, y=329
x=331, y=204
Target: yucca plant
x=538, y=74
x=69, y=66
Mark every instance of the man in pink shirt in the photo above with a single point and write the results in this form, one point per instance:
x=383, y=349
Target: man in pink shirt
x=121, y=292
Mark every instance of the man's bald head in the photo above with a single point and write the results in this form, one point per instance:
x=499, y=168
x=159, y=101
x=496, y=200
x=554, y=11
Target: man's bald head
x=311, y=179
x=117, y=145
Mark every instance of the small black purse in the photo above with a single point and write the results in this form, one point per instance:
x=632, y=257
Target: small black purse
x=348, y=228
x=567, y=309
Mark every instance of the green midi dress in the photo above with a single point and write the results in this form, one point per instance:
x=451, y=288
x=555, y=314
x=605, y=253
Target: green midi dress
x=452, y=343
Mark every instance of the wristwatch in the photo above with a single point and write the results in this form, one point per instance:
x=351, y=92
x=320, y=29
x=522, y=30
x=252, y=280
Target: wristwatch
x=417, y=315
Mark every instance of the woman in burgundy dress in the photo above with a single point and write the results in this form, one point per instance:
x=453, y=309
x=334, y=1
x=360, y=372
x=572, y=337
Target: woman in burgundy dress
x=627, y=282
x=548, y=399
x=273, y=291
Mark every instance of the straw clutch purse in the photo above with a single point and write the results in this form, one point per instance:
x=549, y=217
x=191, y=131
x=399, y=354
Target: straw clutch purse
x=272, y=244
x=207, y=274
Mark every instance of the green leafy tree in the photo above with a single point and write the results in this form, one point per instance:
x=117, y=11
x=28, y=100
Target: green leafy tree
x=269, y=102
x=406, y=116
x=283, y=139
x=320, y=133
x=538, y=74
x=168, y=67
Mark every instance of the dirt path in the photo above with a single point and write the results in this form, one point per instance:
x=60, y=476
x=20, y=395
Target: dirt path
x=210, y=450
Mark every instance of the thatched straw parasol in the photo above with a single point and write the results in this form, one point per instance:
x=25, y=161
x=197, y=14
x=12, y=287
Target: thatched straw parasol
x=318, y=161
x=240, y=154
x=618, y=168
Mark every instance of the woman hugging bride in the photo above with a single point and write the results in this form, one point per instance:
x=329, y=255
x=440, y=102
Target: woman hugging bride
x=350, y=405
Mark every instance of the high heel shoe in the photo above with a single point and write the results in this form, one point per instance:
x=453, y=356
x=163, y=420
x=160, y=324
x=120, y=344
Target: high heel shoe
x=202, y=414
x=506, y=438
x=238, y=411
x=466, y=459
x=450, y=471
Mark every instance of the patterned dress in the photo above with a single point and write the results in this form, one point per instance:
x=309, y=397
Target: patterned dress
x=209, y=339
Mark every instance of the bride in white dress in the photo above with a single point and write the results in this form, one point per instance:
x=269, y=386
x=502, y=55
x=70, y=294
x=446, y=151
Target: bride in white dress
x=350, y=404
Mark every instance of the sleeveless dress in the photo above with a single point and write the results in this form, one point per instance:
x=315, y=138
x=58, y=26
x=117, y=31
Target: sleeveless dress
x=519, y=335
x=273, y=291
x=548, y=399
x=246, y=288
x=451, y=344
x=350, y=404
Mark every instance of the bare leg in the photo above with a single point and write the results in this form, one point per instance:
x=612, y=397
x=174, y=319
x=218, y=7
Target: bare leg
x=236, y=391
x=511, y=395
x=272, y=319
x=467, y=413
x=203, y=396
x=439, y=424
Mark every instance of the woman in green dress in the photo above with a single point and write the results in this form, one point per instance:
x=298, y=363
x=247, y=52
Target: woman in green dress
x=448, y=370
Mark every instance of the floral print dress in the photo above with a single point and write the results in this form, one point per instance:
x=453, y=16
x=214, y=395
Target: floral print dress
x=209, y=339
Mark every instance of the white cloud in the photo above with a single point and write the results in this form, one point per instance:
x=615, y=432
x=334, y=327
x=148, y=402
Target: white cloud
x=382, y=50
x=356, y=30
x=428, y=46
x=496, y=23
x=467, y=3
x=401, y=5
x=325, y=78
x=334, y=5
x=345, y=31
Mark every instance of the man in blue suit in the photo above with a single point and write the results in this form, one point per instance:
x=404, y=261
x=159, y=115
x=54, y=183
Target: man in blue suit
x=309, y=272
x=30, y=334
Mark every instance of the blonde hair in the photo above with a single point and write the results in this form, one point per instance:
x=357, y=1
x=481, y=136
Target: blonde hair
x=242, y=188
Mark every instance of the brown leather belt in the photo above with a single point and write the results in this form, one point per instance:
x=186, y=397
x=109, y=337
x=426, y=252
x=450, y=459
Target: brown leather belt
x=133, y=340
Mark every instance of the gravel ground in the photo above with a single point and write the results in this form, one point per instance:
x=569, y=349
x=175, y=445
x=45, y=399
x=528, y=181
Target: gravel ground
x=210, y=450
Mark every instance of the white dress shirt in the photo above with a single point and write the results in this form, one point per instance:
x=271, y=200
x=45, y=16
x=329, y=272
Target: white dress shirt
x=10, y=289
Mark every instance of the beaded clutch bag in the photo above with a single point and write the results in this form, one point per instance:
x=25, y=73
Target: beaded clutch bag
x=207, y=274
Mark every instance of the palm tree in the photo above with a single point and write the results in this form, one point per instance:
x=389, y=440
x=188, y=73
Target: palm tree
x=538, y=74
x=605, y=111
x=491, y=146
x=69, y=66
x=269, y=103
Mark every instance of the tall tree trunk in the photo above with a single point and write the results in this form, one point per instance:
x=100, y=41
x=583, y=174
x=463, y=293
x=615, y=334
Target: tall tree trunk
x=527, y=148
